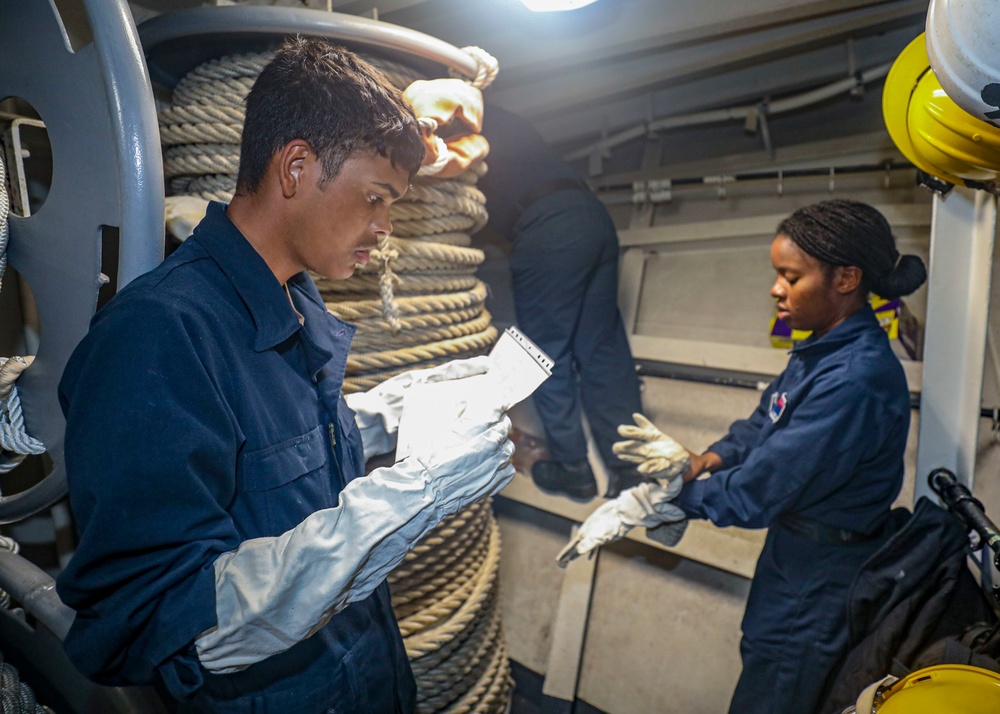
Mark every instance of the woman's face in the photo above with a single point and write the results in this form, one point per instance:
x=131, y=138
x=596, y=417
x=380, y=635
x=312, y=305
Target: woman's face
x=805, y=289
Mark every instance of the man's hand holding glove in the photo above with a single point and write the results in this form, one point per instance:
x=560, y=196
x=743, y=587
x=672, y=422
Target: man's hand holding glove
x=272, y=593
x=649, y=504
x=378, y=410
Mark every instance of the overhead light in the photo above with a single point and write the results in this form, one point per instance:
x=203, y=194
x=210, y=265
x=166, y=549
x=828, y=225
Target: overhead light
x=555, y=5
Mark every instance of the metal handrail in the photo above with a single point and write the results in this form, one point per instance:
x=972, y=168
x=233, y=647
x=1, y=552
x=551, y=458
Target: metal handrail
x=960, y=501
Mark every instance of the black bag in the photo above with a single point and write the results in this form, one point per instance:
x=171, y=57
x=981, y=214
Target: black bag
x=978, y=645
x=915, y=590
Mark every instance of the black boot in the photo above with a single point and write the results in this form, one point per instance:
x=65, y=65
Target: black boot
x=622, y=478
x=571, y=479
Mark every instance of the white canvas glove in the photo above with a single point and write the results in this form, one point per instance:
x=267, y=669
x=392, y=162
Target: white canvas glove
x=272, y=593
x=655, y=453
x=649, y=504
x=182, y=213
x=378, y=410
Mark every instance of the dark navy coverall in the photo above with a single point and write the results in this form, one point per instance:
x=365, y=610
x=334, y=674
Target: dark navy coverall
x=564, y=265
x=201, y=414
x=826, y=444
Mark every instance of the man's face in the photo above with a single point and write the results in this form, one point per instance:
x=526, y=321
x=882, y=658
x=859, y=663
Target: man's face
x=339, y=223
x=804, y=288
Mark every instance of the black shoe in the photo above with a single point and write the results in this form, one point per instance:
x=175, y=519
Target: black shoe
x=621, y=479
x=571, y=479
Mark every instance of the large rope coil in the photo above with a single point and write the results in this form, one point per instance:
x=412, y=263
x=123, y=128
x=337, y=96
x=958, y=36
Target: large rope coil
x=357, y=310
x=367, y=342
x=447, y=602
x=431, y=281
x=416, y=304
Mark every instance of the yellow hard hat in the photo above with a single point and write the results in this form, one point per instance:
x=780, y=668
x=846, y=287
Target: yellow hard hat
x=931, y=130
x=943, y=689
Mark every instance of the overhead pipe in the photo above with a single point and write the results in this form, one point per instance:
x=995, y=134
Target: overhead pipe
x=615, y=194
x=713, y=116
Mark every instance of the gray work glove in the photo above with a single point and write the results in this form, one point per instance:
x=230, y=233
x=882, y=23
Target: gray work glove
x=378, y=410
x=649, y=504
x=271, y=593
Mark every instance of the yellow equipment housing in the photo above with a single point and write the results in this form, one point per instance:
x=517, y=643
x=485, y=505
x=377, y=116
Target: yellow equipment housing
x=933, y=132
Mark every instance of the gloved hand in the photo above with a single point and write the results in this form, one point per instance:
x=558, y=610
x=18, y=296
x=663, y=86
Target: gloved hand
x=378, y=410
x=454, y=108
x=271, y=593
x=182, y=213
x=656, y=453
x=446, y=101
x=648, y=504
x=469, y=462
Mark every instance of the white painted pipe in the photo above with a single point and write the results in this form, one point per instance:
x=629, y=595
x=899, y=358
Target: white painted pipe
x=734, y=113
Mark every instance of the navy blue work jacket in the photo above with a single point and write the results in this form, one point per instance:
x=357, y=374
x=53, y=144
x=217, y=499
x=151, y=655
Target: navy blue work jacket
x=200, y=413
x=826, y=441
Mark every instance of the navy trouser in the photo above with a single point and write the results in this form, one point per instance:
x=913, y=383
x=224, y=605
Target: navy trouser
x=564, y=265
x=795, y=625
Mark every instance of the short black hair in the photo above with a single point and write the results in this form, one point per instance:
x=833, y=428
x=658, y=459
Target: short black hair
x=844, y=232
x=329, y=97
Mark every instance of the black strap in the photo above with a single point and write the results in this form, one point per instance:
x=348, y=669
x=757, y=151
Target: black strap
x=821, y=532
x=542, y=190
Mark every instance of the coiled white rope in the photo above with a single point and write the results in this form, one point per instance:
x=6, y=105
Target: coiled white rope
x=15, y=442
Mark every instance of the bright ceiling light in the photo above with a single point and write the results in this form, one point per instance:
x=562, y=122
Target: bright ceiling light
x=555, y=5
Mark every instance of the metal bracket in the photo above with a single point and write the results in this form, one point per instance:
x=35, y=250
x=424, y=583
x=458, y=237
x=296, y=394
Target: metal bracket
x=654, y=191
x=719, y=182
x=15, y=153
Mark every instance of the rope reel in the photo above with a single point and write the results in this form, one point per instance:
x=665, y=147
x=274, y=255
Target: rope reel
x=417, y=304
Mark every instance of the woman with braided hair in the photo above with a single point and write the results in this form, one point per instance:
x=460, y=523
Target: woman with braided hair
x=820, y=460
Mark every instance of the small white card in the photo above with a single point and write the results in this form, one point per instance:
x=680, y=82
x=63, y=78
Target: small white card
x=518, y=365
x=517, y=369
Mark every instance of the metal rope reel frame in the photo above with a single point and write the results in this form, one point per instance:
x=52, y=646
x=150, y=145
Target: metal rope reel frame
x=97, y=106
x=58, y=251
x=177, y=42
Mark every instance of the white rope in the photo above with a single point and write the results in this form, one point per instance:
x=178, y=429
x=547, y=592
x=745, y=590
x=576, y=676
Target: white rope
x=487, y=67
x=429, y=125
x=211, y=187
x=15, y=442
x=385, y=253
x=4, y=212
x=225, y=81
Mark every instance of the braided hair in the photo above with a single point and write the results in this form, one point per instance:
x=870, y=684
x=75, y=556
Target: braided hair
x=843, y=232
